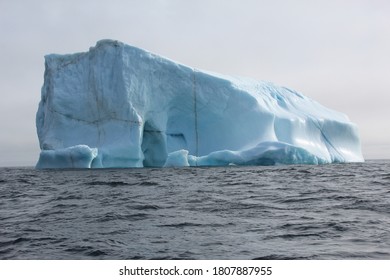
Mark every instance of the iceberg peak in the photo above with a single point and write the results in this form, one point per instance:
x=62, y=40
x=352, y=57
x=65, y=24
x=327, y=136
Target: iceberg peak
x=121, y=106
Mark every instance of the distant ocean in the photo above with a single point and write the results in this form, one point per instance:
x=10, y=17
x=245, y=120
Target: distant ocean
x=338, y=211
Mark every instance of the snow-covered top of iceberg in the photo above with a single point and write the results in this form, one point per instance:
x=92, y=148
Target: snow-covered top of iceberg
x=121, y=106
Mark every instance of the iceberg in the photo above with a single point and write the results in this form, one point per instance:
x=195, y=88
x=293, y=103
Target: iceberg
x=121, y=106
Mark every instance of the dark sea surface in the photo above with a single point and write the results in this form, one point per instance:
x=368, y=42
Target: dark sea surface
x=339, y=211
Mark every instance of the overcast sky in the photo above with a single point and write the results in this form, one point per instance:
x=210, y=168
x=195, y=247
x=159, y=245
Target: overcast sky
x=336, y=52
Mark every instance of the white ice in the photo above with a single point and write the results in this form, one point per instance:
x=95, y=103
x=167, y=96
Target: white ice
x=120, y=106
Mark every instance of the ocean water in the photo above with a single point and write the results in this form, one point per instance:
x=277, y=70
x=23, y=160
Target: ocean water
x=339, y=211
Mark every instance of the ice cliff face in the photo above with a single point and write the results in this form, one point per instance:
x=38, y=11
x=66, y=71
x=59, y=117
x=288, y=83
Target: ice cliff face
x=119, y=106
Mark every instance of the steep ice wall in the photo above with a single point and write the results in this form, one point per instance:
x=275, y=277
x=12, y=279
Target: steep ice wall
x=120, y=106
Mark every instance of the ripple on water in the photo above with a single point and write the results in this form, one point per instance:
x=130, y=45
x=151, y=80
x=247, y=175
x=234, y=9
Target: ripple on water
x=275, y=212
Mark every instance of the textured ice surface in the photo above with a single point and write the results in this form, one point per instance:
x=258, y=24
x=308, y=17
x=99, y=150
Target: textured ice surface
x=120, y=106
x=80, y=156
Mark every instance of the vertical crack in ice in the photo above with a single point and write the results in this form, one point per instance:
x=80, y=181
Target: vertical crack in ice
x=195, y=113
x=92, y=88
x=71, y=159
x=317, y=124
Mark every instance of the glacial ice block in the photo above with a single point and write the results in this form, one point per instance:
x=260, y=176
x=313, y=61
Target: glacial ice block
x=80, y=156
x=120, y=106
